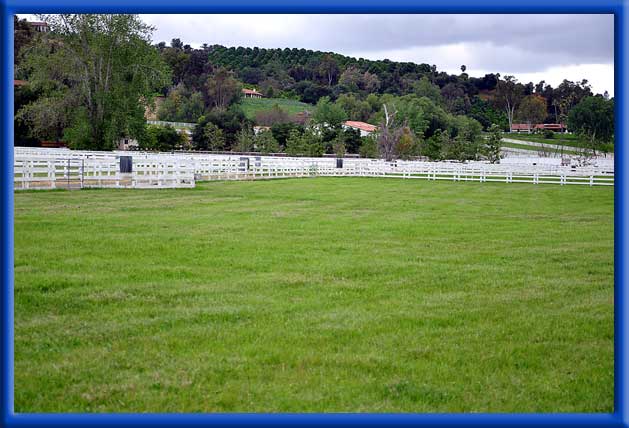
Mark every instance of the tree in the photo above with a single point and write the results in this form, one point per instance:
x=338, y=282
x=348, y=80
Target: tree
x=370, y=83
x=532, y=110
x=245, y=141
x=484, y=113
x=177, y=59
x=355, y=108
x=434, y=147
x=369, y=147
x=351, y=78
x=22, y=35
x=388, y=135
x=593, y=118
x=281, y=132
x=313, y=143
x=212, y=138
x=421, y=114
x=24, y=95
x=98, y=70
x=406, y=146
x=265, y=143
x=455, y=99
x=423, y=88
x=466, y=138
x=351, y=139
x=230, y=121
x=509, y=93
x=339, y=148
x=492, y=144
x=181, y=105
x=328, y=114
x=222, y=88
x=567, y=95
x=48, y=116
x=295, y=144
x=328, y=69
x=161, y=138
x=433, y=73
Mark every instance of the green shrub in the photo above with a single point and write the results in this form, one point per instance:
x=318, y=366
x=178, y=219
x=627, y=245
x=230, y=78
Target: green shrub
x=369, y=147
x=548, y=134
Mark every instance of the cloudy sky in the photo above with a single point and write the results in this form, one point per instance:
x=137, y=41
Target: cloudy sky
x=531, y=47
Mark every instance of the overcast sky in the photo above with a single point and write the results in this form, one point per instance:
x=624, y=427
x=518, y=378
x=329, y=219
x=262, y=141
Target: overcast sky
x=531, y=47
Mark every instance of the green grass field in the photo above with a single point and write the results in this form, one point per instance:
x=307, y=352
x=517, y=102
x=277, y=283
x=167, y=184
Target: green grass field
x=315, y=295
x=251, y=106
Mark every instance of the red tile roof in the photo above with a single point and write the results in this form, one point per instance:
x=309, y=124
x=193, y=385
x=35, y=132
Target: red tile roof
x=19, y=82
x=367, y=127
x=251, y=92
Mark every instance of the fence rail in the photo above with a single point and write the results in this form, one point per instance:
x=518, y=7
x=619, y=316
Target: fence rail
x=58, y=173
x=36, y=168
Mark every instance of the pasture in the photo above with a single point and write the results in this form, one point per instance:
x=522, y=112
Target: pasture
x=315, y=295
x=251, y=106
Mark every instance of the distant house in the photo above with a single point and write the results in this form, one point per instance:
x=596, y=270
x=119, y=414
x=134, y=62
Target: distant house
x=524, y=127
x=41, y=27
x=251, y=93
x=364, y=128
x=521, y=127
x=19, y=82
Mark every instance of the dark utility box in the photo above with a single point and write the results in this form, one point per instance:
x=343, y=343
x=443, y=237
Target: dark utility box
x=126, y=164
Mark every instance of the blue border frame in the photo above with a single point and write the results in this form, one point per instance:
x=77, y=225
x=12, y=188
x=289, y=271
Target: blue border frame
x=620, y=417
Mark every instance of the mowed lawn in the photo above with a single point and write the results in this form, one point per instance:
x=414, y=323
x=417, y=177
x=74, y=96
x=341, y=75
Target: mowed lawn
x=315, y=295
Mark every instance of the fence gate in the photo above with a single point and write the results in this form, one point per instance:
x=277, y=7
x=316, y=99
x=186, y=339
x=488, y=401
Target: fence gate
x=69, y=174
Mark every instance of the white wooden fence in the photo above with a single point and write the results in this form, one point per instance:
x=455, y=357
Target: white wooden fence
x=73, y=173
x=36, y=168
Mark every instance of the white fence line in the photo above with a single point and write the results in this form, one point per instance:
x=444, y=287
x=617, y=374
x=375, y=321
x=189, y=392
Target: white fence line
x=36, y=168
x=46, y=173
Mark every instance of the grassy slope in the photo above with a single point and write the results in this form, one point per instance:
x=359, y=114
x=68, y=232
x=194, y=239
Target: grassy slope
x=253, y=105
x=537, y=149
x=326, y=294
x=559, y=139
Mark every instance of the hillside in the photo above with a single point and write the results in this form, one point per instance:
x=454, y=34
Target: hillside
x=251, y=106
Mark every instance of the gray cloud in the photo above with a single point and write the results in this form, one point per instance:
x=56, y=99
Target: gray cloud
x=508, y=44
x=553, y=39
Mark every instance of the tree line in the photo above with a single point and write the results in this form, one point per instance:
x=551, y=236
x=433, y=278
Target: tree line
x=92, y=76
